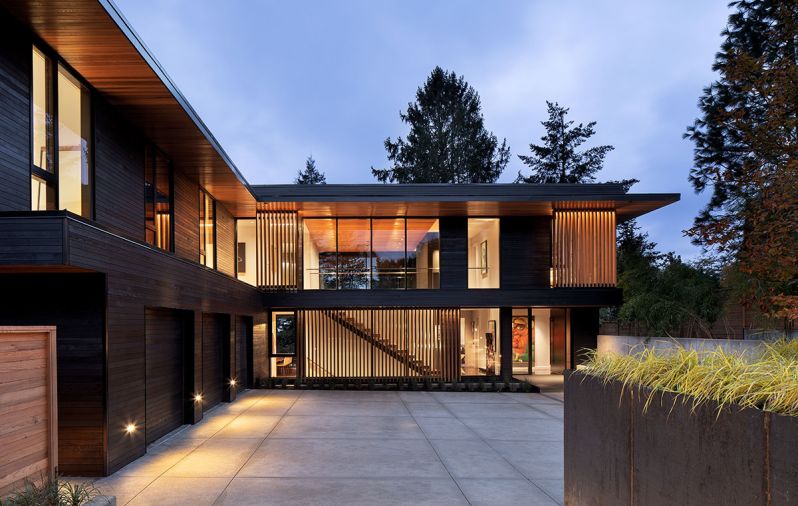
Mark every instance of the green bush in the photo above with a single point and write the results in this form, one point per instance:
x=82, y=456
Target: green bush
x=766, y=380
x=51, y=492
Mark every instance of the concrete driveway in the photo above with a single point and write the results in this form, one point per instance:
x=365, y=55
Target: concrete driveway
x=364, y=447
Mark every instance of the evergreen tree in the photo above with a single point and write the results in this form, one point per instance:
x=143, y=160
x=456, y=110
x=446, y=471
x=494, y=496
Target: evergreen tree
x=558, y=159
x=447, y=142
x=746, y=154
x=310, y=174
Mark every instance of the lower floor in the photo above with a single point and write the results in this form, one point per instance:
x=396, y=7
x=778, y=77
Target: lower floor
x=344, y=447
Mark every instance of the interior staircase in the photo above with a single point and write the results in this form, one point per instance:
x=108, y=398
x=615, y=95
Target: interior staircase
x=381, y=343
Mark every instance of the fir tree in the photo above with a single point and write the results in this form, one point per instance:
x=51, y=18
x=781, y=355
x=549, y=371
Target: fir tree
x=310, y=174
x=447, y=142
x=558, y=159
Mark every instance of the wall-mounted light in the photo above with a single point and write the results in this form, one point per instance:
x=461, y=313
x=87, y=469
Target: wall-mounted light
x=232, y=382
x=130, y=428
x=197, y=397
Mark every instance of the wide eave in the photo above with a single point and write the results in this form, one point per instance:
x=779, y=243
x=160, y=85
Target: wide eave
x=95, y=39
x=455, y=199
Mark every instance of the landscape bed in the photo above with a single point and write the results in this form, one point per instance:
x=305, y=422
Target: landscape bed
x=684, y=427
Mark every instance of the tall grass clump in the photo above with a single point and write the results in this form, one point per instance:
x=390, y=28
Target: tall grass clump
x=51, y=492
x=766, y=379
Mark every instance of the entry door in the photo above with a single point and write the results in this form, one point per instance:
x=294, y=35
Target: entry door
x=28, y=417
x=215, y=330
x=166, y=395
x=557, y=330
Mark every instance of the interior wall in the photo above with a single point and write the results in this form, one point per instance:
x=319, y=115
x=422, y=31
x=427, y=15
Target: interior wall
x=478, y=231
x=542, y=341
x=310, y=261
x=245, y=234
x=473, y=327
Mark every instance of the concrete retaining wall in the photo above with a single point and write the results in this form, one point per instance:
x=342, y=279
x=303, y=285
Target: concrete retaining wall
x=624, y=344
x=671, y=454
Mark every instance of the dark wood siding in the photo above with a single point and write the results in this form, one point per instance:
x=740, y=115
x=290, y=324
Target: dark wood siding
x=139, y=277
x=558, y=332
x=584, y=332
x=225, y=241
x=214, y=329
x=525, y=248
x=165, y=372
x=118, y=173
x=243, y=344
x=186, y=217
x=454, y=253
x=15, y=111
x=74, y=303
x=31, y=241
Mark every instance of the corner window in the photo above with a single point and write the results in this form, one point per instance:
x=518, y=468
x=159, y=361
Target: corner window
x=483, y=253
x=61, y=177
x=378, y=253
x=207, y=229
x=158, y=199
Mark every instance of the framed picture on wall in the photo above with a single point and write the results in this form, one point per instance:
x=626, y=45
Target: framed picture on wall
x=483, y=258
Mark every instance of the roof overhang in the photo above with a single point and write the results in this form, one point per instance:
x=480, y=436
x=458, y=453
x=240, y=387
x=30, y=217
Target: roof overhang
x=455, y=200
x=94, y=38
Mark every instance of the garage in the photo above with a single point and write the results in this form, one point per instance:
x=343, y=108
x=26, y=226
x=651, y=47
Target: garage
x=215, y=333
x=165, y=391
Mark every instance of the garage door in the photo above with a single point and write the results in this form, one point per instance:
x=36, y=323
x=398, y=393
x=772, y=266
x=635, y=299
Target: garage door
x=215, y=328
x=243, y=338
x=165, y=391
x=28, y=433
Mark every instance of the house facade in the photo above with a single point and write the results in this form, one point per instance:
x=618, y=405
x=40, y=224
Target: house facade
x=173, y=283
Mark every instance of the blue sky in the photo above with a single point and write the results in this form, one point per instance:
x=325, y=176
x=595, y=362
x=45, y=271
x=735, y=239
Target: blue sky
x=278, y=81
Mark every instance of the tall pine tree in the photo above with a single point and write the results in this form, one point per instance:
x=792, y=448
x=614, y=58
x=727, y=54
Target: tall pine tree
x=447, y=142
x=558, y=159
x=310, y=174
x=746, y=155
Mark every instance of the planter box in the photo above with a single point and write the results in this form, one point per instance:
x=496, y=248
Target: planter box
x=673, y=454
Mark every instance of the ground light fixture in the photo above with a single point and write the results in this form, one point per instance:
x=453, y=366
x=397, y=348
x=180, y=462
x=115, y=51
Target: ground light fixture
x=197, y=397
x=130, y=428
x=233, y=382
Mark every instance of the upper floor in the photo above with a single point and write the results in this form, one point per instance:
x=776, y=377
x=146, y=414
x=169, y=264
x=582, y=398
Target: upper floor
x=91, y=124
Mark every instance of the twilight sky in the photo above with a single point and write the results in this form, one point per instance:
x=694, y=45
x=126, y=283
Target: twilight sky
x=278, y=81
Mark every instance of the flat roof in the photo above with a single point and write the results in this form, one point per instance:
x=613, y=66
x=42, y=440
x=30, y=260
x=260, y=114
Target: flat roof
x=505, y=199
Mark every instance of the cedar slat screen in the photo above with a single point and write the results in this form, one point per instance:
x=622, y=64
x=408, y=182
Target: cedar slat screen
x=383, y=344
x=583, y=248
x=277, y=250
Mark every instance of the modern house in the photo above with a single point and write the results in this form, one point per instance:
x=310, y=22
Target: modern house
x=172, y=282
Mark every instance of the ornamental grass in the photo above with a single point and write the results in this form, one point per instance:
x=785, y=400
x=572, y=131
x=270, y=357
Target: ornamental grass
x=766, y=379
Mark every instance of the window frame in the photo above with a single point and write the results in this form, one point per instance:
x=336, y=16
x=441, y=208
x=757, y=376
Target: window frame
x=151, y=153
x=55, y=63
x=202, y=250
x=371, y=251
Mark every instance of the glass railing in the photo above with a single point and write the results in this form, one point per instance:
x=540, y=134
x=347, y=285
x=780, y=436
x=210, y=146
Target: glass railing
x=375, y=279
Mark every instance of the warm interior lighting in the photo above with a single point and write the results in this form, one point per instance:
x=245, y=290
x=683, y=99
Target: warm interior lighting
x=130, y=428
x=197, y=397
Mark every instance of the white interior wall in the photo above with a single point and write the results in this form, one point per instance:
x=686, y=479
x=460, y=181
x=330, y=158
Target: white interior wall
x=245, y=233
x=542, y=341
x=310, y=260
x=479, y=231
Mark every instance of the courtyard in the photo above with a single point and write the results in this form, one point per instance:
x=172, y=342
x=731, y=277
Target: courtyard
x=364, y=447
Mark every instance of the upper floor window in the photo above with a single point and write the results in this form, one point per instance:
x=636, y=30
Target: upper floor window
x=366, y=253
x=207, y=229
x=61, y=170
x=158, y=199
x=483, y=253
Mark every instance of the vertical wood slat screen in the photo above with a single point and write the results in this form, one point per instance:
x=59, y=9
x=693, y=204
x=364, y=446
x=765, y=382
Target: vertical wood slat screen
x=383, y=344
x=276, y=250
x=583, y=248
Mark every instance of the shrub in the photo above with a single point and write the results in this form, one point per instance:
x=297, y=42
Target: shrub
x=51, y=492
x=766, y=380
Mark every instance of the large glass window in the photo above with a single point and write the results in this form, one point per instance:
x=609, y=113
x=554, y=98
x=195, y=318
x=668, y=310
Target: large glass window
x=379, y=253
x=480, y=353
x=207, y=229
x=423, y=253
x=246, y=268
x=483, y=253
x=60, y=178
x=284, y=344
x=158, y=196
x=74, y=134
x=320, y=254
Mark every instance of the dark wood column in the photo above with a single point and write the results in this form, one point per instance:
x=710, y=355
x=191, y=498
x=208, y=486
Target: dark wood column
x=229, y=360
x=454, y=252
x=193, y=364
x=506, y=342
